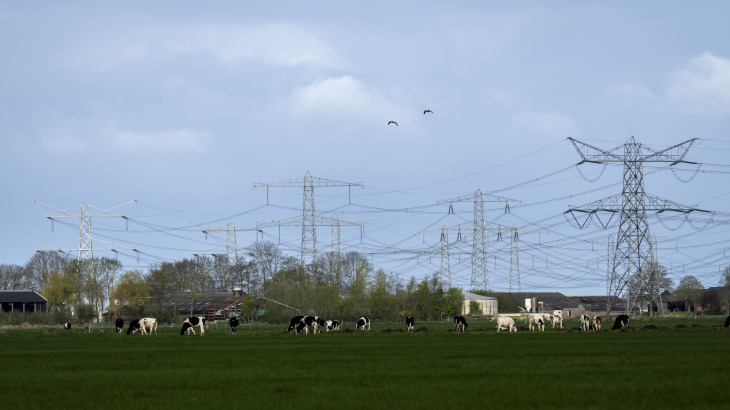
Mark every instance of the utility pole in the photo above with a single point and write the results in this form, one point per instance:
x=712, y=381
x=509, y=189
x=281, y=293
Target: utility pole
x=85, y=245
x=479, y=259
x=633, y=247
x=309, y=220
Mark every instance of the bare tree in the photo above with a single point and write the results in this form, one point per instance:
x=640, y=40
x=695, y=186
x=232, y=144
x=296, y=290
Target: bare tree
x=13, y=277
x=42, y=264
x=724, y=292
x=268, y=259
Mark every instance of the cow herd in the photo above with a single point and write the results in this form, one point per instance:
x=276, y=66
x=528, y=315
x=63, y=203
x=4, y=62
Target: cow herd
x=314, y=324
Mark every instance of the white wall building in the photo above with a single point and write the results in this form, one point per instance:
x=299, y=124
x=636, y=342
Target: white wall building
x=488, y=305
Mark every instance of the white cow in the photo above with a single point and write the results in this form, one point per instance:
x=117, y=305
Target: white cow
x=148, y=323
x=537, y=320
x=585, y=323
x=506, y=323
x=557, y=319
x=597, y=320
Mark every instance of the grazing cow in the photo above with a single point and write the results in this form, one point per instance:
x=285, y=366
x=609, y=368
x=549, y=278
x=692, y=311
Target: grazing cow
x=311, y=322
x=410, y=322
x=362, y=323
x=120, y=325
x=294, y=322
x=727, y=322
x=597, y=321
x=557, y=320
x=190, y=323
x=460, y=323
x=333, y=325
x=148, y=324
x=537, y=320
x=621, y=322
x=234, y=324
x=67, y=325
x=506, y=323
x=585, y=323
x=133, y=326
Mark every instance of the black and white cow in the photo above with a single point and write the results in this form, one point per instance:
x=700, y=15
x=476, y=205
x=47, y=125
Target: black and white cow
x=536, y=320
x=585, y=323
x=460, y=323
x=234, y=324
x=294, y=322
x=120, y=325
x=410, y=322
x=727, y=322
x=621, y=322
x=333, y=325
x=133, y=326
x=67, y=325
x=506, y=322
x=148, y=324
x=362, y=323
x=311, y=322
x=191, y=323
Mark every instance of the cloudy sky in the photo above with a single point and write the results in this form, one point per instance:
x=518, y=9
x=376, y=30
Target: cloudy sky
x=182, y=106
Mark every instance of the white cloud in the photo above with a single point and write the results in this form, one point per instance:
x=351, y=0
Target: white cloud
x=545, y=123
x=182, y=140
x=337, y=97
x=703, y=86
x=276, y=44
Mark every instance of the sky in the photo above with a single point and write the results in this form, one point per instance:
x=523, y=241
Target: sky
x=182, y=106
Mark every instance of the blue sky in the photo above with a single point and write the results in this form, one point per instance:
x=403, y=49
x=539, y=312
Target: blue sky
x=181, y=106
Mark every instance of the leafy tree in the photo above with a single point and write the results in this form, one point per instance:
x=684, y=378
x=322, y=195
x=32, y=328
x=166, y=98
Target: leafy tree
x=453, y=302
x=41, y=265
x=132, y=291
x=691, y=290
x=475, y=308
x=59, y=293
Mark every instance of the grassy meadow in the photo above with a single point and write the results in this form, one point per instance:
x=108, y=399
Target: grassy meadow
x=672, y=368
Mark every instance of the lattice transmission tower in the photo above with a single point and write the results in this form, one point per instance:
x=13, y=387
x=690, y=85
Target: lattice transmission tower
x=85, y=245
x=309, y=220
x=479, y=259
x=633, y=245
x=230, y=249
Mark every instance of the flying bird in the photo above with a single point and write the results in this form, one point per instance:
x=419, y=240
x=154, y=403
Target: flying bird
x=393, y=122
x=428, y=111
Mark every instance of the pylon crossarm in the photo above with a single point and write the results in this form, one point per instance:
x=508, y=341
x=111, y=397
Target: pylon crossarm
x=482, y=197
x=308, y=180
x=72, y=246
x=598, y=155
x=59, y=213
x=467, y=227
x=122, y=209
x=210, y=228
x=317, y=221
x=673, y=154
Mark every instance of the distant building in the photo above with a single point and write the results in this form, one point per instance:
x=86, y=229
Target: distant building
x=487, y=305
x=213, y=306
x=25, y=301
x=571, y=306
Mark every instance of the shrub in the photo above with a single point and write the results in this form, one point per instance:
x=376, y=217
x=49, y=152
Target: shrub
x=16, y=318
x=3, y=318
x=475, y=309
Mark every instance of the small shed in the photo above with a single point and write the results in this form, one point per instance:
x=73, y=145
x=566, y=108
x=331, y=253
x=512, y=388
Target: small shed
x=24, y=301
x=487, y=305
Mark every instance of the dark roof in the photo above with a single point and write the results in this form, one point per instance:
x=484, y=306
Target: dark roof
x=28, y=296
x=545, y=297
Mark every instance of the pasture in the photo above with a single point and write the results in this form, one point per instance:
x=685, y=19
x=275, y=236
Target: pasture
x=672, y=368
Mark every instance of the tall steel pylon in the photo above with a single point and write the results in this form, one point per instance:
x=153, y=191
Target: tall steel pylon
x=309, y=218
x=633, y=247
x=513, y=255
x=479, y=259
x=231, y=248
x=86, y=244
x=335, y=235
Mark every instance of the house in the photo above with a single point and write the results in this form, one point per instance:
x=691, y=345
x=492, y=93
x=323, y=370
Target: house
x=487, y=305
x=571, y=306
x=25, y=301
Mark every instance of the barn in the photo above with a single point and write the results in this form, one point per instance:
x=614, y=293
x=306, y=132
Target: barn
x=24, y=301
x=487, y=305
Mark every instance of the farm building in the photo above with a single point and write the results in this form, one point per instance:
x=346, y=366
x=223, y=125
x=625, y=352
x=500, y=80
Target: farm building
x=25, y=301
x=571, y=306
x=487, y=305
x=214, y=306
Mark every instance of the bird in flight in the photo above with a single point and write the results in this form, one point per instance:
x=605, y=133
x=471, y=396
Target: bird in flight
x=428, y=111
x=393, y=122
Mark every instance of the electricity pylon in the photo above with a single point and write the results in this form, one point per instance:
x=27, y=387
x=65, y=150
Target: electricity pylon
x=461, y=229
x=633, y=247
x=309, y=218
x=445, y=266
x=514, y=257
x=311, y=221
x=479, y=265
x=610, y=255
x=86, y=244
x=231, y=248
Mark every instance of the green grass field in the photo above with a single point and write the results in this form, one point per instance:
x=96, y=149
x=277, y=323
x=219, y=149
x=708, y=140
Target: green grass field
x=672, y=368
